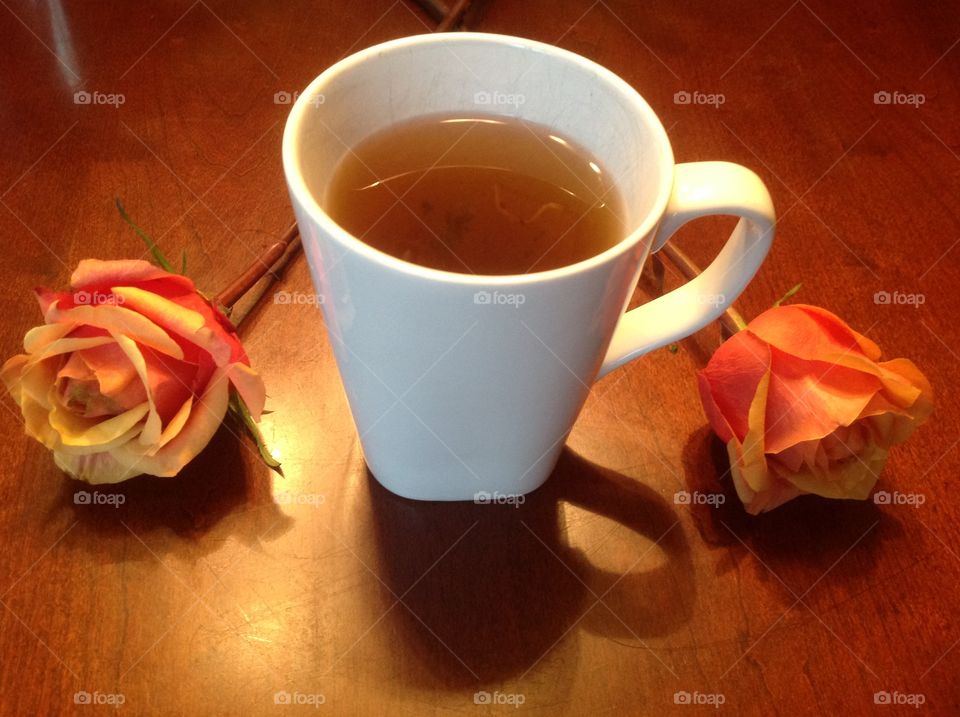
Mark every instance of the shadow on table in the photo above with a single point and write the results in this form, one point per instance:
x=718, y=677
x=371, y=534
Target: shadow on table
x=805, y=536
x=511, y=592
x=219, y=483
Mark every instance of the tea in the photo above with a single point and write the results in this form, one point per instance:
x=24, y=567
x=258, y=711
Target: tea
x=476, y=194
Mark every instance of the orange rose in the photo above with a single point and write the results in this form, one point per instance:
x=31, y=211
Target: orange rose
x=804, y=406
x=130, y=374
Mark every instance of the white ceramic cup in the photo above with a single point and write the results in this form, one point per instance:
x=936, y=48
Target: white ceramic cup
x=464, y=387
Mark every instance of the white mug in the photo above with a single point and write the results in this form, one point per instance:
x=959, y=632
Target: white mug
x=462, y=386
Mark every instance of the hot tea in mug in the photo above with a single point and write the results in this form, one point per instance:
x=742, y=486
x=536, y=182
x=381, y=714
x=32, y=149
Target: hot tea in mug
x=476, y=194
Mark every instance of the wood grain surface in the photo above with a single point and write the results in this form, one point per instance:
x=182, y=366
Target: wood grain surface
x=214, y=592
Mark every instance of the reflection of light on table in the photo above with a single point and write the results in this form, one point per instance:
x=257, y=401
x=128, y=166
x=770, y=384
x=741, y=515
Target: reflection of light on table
x=63, y=44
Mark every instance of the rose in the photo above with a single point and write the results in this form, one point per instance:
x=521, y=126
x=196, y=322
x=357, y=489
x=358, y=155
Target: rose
x=130, y=373
x=804, y=406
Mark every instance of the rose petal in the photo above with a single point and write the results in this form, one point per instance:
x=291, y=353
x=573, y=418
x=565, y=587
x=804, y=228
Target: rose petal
x=853, y=478
x=36, y=424
x=94, y=468
x=205, y=418
x=151, y=429
x=75, y=430
x=76, y=368
x=118, y=321
x=171, y=382
x=176, y=319
x=101, y=448
x=175, y=425
x=250, y=387
x=810, y=332
x=33, y=410
x=906, y=384
x=756, y=487
x=96, y=272
x=216, y=322
x=729, y=383
x=37, y=338
x=751, y=463
x=11, y=374
x=810, y=399
x=115, y=375
x=69, y=345
x=36, y=378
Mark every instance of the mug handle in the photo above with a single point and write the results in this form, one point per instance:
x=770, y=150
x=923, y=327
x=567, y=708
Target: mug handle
x=700, y=189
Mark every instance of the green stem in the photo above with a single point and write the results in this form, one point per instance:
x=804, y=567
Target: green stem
x=154, y=249
x=240, y=410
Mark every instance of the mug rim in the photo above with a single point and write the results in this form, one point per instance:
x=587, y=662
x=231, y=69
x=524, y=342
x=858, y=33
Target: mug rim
x=309, y=203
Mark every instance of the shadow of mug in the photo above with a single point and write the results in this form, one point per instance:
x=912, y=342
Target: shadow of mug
x=488, y=591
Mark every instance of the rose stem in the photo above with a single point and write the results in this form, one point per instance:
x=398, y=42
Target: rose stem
x=261, y=266
x=731, y=320
x=276, y=257
x=453, y=16
x=436, y=9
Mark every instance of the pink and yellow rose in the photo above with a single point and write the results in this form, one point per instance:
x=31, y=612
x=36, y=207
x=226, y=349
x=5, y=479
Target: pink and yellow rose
x=130, y=373
x=805, y=406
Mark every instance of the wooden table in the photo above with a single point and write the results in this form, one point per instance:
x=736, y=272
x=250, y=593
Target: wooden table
x=215, y=591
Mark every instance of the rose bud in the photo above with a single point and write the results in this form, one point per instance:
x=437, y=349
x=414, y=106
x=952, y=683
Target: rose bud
x=805, y=406
x=130, y=373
